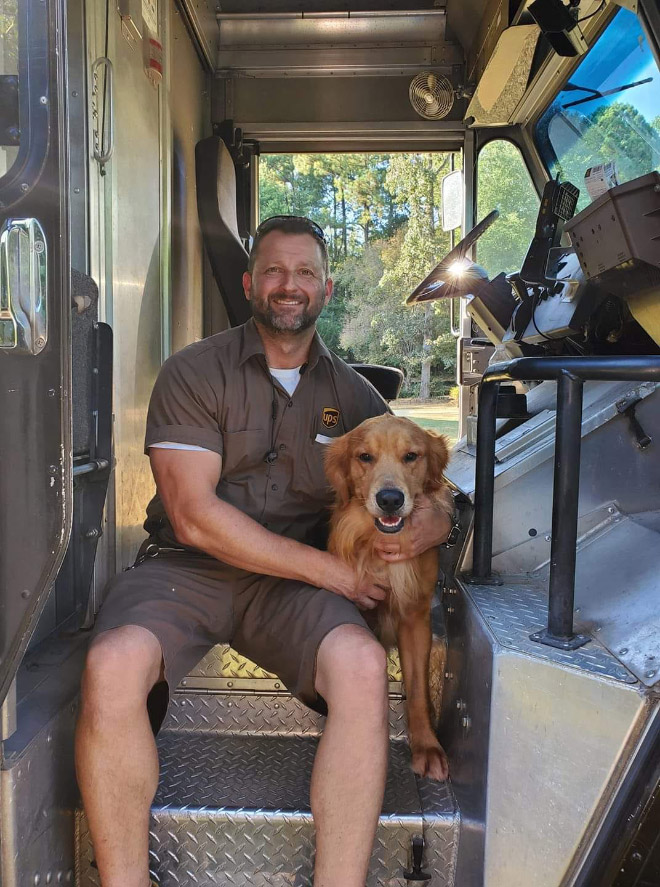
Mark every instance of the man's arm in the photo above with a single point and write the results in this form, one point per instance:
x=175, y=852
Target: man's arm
x=187, y=482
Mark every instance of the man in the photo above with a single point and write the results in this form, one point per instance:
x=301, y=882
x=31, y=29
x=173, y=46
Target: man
x=235, y=435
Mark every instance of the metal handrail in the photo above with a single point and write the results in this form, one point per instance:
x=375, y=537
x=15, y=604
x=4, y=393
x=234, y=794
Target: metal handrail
x=570, y=373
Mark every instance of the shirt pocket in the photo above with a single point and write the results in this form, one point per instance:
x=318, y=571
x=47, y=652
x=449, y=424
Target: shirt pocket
x=243, y=451
x=311, y=482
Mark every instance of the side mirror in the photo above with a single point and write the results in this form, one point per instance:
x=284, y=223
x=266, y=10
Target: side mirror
x=452, y=201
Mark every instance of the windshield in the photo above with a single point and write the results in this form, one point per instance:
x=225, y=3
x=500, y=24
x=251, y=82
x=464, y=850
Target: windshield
x=608, y=111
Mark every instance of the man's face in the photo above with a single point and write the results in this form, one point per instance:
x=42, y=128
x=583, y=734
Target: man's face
x=287, y=287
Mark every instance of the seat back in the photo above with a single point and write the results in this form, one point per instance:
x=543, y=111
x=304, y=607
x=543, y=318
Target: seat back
x=216, y=206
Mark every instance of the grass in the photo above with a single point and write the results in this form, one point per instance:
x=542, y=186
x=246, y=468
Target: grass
x=440, y=415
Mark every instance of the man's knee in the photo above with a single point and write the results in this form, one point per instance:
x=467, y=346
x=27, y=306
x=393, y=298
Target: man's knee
x=351, y=662
x=122, y=666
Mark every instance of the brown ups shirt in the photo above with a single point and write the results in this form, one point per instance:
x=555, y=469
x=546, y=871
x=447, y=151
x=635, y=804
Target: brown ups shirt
x=219, y=394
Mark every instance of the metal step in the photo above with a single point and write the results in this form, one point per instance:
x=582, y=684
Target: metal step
x=232, y=805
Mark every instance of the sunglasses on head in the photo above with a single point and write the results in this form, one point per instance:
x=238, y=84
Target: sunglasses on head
x=267, y=224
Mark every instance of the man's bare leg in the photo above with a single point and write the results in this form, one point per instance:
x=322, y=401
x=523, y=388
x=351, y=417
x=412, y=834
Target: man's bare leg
x=348, y=780
x=116, y=760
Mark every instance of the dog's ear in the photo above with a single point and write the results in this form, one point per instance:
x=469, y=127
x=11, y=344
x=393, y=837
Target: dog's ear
x=438, y=456
x=337, y=467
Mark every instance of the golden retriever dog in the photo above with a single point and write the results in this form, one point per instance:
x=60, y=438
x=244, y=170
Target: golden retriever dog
x=379, y=472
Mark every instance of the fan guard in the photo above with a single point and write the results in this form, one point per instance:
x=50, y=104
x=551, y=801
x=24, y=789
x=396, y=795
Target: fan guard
x=431, y=95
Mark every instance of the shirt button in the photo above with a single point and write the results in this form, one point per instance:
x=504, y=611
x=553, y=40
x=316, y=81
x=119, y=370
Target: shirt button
x=290, y=403
x=274, y=487
x=282, y=446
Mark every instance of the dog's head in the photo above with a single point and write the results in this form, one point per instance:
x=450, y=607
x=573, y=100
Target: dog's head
x=386, y=462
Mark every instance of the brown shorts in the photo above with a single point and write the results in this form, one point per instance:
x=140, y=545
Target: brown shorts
x=192, y=602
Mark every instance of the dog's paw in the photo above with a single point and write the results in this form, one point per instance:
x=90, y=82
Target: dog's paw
x=431, y=760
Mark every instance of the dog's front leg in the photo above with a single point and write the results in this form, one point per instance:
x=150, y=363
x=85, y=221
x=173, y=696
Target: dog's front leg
x=414, y=640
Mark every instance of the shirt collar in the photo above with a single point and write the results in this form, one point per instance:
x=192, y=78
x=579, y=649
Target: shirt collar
x=252, y=345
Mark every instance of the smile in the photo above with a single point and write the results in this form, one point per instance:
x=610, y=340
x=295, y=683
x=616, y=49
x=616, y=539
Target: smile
x=389, y=523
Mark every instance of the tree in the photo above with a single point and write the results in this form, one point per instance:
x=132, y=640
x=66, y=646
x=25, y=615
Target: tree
x=9, y=36
x=414, y=180
x=380, y=214
x=504, y=183
x=614, y=132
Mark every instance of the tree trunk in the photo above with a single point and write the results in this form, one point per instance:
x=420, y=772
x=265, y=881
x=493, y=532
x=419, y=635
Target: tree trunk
x=425, y=384
x=344, y=232
x=334, y=222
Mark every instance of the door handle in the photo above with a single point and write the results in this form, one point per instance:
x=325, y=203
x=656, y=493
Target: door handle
x=23, y=287
x=101, y=153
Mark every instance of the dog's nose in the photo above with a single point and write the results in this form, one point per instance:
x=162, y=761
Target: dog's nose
x=389, y=501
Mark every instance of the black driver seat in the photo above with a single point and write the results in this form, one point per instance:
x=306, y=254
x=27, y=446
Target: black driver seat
x=216, y=206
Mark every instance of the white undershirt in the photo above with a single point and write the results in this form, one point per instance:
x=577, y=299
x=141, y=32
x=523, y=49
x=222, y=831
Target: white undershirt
x=288, y=379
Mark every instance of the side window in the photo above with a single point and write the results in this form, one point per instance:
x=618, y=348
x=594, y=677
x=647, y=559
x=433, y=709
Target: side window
x=9, y=131
x=503, y=183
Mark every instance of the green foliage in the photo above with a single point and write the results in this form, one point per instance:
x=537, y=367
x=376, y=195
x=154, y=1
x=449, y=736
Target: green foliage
x=504, y=184
x=613, y=132
x=380, y=214
x=8, y=36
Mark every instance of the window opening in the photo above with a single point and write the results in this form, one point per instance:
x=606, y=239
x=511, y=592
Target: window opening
x=504, y=183
x=381, y=214
x=608, y=111
x=9, y=129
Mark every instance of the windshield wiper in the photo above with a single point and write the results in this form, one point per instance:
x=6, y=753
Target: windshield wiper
x=596, y=94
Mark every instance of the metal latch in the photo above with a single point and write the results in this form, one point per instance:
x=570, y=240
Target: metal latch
x=627, y=408
x=417, y=855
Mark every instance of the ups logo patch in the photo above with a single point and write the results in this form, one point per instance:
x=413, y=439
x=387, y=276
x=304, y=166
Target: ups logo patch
x=330, y=417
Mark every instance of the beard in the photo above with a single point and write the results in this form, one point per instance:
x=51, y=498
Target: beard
x=266, y=312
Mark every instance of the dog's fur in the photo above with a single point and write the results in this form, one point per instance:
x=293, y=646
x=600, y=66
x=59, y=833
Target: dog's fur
x=401, y=457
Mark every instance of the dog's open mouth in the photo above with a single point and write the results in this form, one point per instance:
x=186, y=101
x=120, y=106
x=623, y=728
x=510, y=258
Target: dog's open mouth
x=389, y=523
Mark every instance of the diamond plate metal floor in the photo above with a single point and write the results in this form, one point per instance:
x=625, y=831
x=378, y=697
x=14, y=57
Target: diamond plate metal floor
x=234, y=809
x=519, y=607
x=259, y=714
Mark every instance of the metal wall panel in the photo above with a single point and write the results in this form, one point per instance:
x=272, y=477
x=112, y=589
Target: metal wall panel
x=465, y=726
x=326, y=100
x=190, y=120
x=39, y=795
x=537, y=739
x=557, y=739
x=136, y=281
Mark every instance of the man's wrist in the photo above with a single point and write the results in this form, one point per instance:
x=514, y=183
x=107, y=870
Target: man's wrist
x=454, y=531
x=325, y=570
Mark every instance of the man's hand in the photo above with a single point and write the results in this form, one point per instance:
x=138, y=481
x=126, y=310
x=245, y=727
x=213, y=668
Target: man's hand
x=343, y=580
x=428, y=526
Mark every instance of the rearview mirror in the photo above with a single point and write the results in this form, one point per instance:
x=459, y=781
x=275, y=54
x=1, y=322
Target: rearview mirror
x=452, y=201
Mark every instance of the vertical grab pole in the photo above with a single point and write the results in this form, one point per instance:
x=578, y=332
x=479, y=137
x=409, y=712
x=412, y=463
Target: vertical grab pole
x=484, y=489
x=568, y=440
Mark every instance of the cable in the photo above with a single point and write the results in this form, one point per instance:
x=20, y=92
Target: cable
x=535, y=301
x=592, y=14
x=105, y=79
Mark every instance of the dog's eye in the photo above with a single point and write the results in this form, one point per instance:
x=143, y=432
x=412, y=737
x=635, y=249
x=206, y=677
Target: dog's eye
x=410, y=457
x=365, y=457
